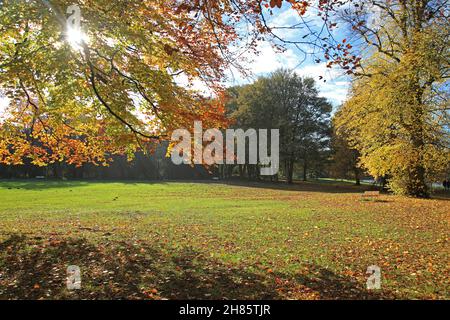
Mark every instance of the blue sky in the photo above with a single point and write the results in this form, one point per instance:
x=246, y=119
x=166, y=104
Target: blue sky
x=335, y=88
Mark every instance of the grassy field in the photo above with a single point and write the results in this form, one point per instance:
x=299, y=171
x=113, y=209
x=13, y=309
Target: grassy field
x=211, y=240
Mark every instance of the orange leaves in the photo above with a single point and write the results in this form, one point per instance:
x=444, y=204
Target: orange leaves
x=299, y=6
x=276, y=3
x=137, y=90
x=151, y=293
x=52, y=140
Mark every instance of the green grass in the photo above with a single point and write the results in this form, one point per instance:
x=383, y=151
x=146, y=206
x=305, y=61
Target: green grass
x=213, y=240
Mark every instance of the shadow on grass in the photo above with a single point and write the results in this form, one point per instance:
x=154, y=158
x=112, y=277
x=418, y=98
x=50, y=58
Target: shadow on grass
x=28, y=184
x=40, y=184
x=32, y=268
x=441, y=194
x=307, y=186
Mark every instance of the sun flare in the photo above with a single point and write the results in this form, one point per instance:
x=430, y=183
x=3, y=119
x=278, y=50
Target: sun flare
x=76, y=37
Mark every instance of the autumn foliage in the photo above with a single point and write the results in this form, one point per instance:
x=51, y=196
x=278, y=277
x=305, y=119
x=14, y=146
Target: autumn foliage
x=397, y=113
x=127, y=86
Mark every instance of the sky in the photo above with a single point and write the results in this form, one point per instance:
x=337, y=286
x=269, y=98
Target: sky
x=333, y=84
x=269, y=59
x=334, y=89
x=336, y=84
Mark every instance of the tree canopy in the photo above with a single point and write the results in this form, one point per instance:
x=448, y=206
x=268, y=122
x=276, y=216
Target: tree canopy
x=397, y=116
x=127, y=81
x=285, y=101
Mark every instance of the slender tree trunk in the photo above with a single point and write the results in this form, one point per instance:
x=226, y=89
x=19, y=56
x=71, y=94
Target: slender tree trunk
x=59, y=170
x=357, y=178
x=305, y=170
x=290, y=171
x=286, y=170
x=230, y=171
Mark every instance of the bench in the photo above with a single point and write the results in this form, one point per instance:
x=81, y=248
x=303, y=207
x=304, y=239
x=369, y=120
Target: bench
x=371, y=194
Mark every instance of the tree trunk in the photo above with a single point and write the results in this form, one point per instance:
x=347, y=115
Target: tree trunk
x=289, y=171
x=357, y=179
x=59, y=170
x=241, y=171
x=305, y=170
x=417, y=186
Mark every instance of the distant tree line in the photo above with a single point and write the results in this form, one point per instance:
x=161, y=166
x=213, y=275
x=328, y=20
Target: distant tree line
x=282, y=100
x=155, y=166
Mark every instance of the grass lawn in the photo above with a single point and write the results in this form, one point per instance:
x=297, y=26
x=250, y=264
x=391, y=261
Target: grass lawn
x=212, y=240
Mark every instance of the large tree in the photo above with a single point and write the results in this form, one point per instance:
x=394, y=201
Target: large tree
x=292, y=104
x=398, y=115
x=128, y=80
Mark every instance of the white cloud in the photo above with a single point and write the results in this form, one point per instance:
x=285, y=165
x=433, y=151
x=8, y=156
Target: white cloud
x=285, y=18
x=269, y=59
x=333, y=85
x=266, y=61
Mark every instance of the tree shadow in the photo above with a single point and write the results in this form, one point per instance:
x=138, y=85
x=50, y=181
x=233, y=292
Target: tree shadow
x=308, y=186
x=28, y=184
x=440, y=194
x=32, y=268
x=333, y=286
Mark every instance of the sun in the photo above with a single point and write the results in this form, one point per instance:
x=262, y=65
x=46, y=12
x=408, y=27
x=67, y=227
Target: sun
x=76, y=37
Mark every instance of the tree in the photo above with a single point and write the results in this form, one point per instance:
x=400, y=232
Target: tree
x=117, y=89
x=291, y=104
x=397, y=116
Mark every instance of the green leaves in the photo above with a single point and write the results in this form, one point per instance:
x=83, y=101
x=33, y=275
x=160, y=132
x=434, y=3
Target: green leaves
x=118, y=86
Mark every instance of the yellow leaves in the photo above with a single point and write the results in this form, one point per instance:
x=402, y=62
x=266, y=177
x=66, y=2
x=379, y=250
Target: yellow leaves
x=147, y=44
x=392, y=123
